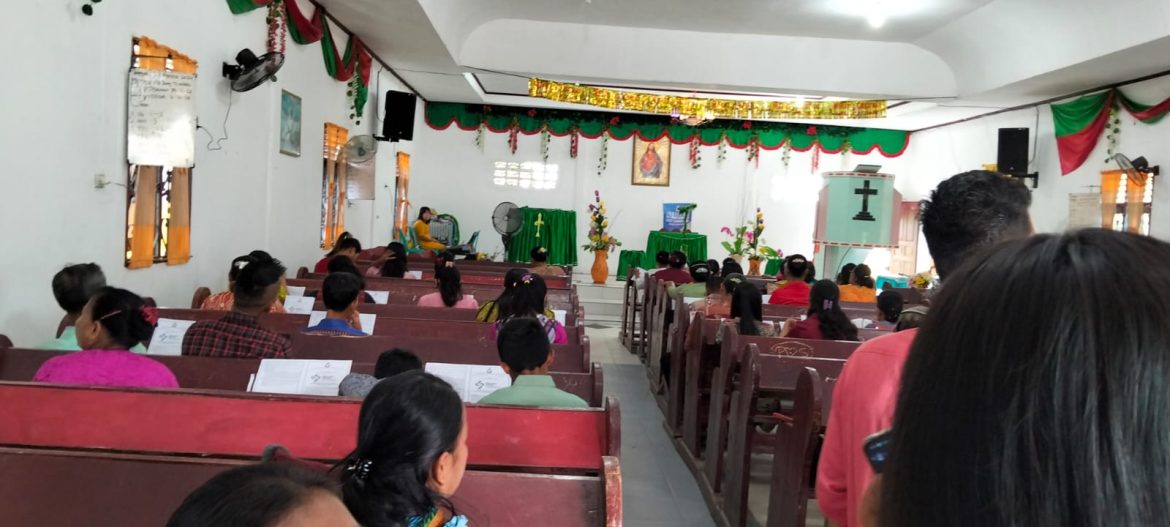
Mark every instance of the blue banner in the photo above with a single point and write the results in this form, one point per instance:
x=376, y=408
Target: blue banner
x=672, y=219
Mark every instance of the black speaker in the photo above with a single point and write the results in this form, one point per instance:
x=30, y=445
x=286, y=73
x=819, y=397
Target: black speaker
x=398, y=125
x=1013, y=151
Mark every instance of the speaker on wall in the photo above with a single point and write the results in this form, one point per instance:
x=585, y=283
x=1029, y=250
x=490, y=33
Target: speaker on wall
x=398, y=125
x=1013, y=151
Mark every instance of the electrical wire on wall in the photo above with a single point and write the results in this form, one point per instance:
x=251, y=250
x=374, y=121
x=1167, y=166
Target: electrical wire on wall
x=210, y=138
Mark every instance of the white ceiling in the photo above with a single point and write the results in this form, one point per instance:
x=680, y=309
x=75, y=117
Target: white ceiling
x=954, y=59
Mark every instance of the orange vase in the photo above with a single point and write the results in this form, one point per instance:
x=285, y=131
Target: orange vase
x=600, y=269
x=754, y=266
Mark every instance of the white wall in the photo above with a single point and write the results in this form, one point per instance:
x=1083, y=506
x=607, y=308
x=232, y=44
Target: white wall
x=451, y=174
x=64, y=115
x=937, y=154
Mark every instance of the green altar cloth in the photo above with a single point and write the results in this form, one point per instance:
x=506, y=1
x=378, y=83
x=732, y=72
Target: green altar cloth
x=694, y=245
x=558, y=234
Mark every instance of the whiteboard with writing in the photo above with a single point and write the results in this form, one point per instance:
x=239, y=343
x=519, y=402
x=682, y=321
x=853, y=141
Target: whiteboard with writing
x=160, y=120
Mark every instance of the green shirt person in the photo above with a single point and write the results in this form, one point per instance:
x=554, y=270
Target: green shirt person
x=72, y=288
x=526, y=355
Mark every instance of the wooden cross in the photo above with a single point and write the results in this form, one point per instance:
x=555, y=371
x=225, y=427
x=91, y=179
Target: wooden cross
x=865, y=193
x=538, y=223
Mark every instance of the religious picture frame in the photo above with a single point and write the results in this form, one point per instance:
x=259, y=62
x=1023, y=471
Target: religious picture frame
x=290, y=124
x=651, y=162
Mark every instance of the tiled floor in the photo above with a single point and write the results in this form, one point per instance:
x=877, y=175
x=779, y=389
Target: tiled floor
x=658, y=490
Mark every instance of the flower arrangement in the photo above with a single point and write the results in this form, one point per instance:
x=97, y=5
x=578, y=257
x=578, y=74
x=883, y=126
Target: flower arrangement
x=735, y=246
x=922, y=280
x=747, y=240
x=599, y=237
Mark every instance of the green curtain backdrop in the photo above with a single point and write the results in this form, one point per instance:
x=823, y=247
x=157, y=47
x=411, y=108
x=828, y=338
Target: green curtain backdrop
x=694, y=245
x=628, y=258
x=558, y=235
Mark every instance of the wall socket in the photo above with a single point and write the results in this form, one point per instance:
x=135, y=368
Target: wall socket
x=100, y=181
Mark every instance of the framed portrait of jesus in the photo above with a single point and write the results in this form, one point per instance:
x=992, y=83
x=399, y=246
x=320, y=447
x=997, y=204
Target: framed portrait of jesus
x=651, y=162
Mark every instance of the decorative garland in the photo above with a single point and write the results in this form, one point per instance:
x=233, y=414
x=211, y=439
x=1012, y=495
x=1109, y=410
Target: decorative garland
x=544, y=140
x=1113, y=136
x=786, y=154
x=721, y=152
x=693, y=154
x=574, y=142
x=277, y=26
x=514, y=137
x=603, y=159
x=1080, y=122
x=699, y=107
x=621, y=126
x=479, y=136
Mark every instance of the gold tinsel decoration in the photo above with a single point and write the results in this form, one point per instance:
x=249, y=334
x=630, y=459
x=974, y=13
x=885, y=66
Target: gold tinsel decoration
x=701, y=107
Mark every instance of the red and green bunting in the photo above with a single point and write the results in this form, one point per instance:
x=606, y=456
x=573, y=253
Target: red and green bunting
x=1080, y=122
x=340, y=66
x=738, y=134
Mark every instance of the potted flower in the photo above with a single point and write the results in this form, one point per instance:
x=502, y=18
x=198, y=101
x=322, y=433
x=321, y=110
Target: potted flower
x=738, y=243
x=600, y=241
x=755, y=250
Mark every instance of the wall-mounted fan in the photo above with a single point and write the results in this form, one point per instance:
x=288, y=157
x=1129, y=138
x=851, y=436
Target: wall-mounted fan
x=1137, y=165
x=507, y=219
x=250, y=71
x=360, y=148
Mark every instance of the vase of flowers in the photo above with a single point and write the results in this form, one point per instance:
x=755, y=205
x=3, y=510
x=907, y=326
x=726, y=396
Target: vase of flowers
x=737, y=244
x=600, y=241
x=755, y=249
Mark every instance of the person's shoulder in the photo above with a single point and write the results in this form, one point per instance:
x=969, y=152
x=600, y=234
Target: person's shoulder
x=895, y=344
x=568, y=400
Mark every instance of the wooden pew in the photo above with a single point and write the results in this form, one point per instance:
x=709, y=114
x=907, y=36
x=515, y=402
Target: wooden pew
x=436, y=313
x=410, y=293
x=195, y=422
x=226, y=374
x=5, y=342
x=468, y=278
x=631, y=305
x=85, y=488
x=569, y=357
x=659, y=323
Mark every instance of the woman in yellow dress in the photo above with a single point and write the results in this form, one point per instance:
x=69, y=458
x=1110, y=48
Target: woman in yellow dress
x=422, y=231
x=860, y=288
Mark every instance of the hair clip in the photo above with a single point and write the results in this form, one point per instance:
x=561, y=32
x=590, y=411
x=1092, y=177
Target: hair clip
x=450, y=264
x=542, y=250
x=150, y=315
x=360, y=468
x=242, y=264
x=110, y=314
x=827, y=305
x=527, y=279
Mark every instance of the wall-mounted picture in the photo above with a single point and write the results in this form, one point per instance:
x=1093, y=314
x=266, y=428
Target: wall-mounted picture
x=290, y=124
x=651, y=162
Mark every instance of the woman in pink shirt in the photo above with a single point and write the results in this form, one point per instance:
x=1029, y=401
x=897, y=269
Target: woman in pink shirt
x=450, y=292
x=113, y=321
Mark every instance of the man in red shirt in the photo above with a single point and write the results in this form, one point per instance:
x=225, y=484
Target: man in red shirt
x=677, y=272
x=239, y=334
x=965, y=214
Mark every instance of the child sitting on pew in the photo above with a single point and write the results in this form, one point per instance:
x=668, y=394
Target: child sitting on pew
x=345, y=265
x=238, y=334
x=825, y=320
x=527, y=301
x=490, y=310
x=223, y=301
x=526, y=355
x=450, y=293
x=395, y=265
x=713, y=300
x=540, y=264
x=410, y=457
x=390, y=363
x=346, y=246
x=340, y=293
x=698, y=286
x=267, y=494
x=112, y=322
x=72, y=287
x=747, y=308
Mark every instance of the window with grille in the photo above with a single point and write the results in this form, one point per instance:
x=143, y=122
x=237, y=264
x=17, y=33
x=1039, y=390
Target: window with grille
x=1121, y=218
x=526, y=175
x=333, y=185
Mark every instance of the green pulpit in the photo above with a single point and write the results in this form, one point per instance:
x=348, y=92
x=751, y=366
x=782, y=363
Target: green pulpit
x=692, y=244
x=553, y=229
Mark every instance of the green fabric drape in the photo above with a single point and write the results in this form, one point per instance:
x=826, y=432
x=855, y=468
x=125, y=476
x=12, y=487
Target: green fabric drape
x=773, y=267
x=558, y=235
x=1080, y=122
x=621, y=126
x=628, y=258
x=692, y=244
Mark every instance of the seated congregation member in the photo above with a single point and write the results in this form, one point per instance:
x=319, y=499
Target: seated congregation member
x=341, y=294
x=860, y=288
x=810, y=278
x=540, y=264
x=346, y=245
x=698, y=286
x=450, y=293
x=395, y=265
x=223, y=301
x=713, y=266
x=846, y=275
x=527, y=301
x=112, y=322
x=661, y=261
x=239, y=333
x=389, y=364
x=526, y=355
x=889, y=306
x=270, y=494
x=911, y=318
x=747, y=308
x=1054, y=408
x=422, y=231
x=731, y=267
x=792, y=290
x=965, y=214
x=490, y=311
x=410, y=457
x=345, y=265
x=715, y=301
x=677, y=271
x=825, y=320
x=73, y=286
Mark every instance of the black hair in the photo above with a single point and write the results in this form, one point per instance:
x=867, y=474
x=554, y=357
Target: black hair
x=395, y=267
x=395, y=361
x=503, y=302
x=731, y=281
x=747, y=305
x=345, y=241
x=450, y=285
x=678, y=259
x=523, y=344
x=252, y=284
x=713, y=265
x=911, y=318
x=258, y=495
x=714, y=285
x=846, y=272
x=539, y=254
x=824, y=301
x=527, y=298
x=889, y=303
x=123, y=315
x=810, y=276
x=662, y=258
x=863, y=276
x=261, y=255
x=795, y=267
x=1054, y=410
x=406, y=423
x=339, y=290
x=970, y=211
x=238, y=264
x=732, y=267
x=700, y=272
x=422, y=211
x=342, y=264
x=75, y=284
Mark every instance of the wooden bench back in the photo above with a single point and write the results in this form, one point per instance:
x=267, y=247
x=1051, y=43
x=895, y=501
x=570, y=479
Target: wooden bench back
x=452, y=349
x=407, y=292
